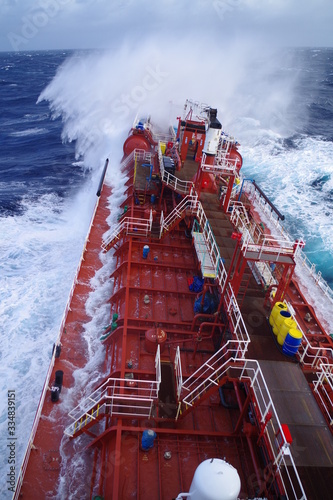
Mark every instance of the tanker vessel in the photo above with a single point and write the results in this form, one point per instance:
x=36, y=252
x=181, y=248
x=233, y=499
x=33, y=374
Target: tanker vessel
x=217, y=381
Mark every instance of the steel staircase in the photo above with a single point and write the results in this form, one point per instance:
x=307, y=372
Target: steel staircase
x=126, y=397
x=188, y=205
x=170, y=180
x=208, y=378
x=114, y=398
x=128, y=225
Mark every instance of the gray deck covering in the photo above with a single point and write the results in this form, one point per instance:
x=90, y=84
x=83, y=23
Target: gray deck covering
x=296, y=406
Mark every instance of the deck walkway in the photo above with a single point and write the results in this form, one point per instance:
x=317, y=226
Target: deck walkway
x=312, y=446
x=296, y=406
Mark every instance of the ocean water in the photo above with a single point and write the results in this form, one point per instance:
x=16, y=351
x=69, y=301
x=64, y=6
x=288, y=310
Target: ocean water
x=63, y=113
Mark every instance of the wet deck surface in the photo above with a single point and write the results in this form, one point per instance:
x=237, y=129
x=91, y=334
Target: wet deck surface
x=207, y=431
x=312, y=447
x=296, y=406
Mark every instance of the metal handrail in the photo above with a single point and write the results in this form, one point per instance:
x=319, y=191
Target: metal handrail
x=208, y=367
x=303, y=352
x=190, y=202
x=318, y=355
x=252, y=371
x=211, y=372
x=300, y=255
x=131, y=225
x=325, y=378
x=114, y=389
x=178, y=372
x=142, y=389
x=180, y=186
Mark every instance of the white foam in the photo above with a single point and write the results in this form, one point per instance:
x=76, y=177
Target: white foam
x=39, y=255
x=29, y=131
x=288, y=177
x=97, y=98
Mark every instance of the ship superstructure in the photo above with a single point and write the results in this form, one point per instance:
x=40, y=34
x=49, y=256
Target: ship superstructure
x=215, y=362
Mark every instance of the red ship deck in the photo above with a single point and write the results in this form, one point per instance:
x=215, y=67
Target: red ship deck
x=179, y=372
x=43, y=458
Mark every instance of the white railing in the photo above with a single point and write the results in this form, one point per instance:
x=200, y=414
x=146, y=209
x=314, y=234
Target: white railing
x=236, y=321
x=239, y=216
x=178, y=372
x=136, y=155
x=301, y=257
x=224, y=362
x=196, y=108
x=112, y=405
x=181, y=187
x=164, y=136
x=130, y=226
x=235, y=317
x=222, y=165
x=128, y=397
x=239, y=219
x=325, y=382
x=158, y=368
x=117, y=396
x=161, y=224
x=24, y=465
x=267, y=244
x=309, y=355
x=211, y=245
x=210, y=372
x=282, y=456
x=303, y=260
x=190, y=202
x=142, y=389
x=313, y=356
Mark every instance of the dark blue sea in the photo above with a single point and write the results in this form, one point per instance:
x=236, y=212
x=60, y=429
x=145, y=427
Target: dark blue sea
x=63, y=113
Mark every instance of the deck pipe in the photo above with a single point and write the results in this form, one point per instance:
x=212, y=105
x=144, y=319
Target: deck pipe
x=241, y=189
x=262, y=194
x=101, y=182
x=250, y=443
x=229, y=406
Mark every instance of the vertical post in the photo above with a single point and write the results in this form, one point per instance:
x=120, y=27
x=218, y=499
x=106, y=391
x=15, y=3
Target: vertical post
x=237, y=237
x=238, y=274
x=160, y=197
x=228, y=193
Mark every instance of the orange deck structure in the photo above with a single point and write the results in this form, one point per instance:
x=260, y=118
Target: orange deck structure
x=201, y=369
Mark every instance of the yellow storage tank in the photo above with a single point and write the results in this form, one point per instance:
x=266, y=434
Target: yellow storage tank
x=280, y=318
x=285, y=327
x=278, y=306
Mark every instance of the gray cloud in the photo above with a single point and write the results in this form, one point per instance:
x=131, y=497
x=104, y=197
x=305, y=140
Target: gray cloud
x=60, y=24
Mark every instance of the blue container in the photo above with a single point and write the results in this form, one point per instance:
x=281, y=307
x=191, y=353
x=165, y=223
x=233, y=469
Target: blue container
x=145, y=251
x=148, y=438
x=152, y=199
x=292, y=342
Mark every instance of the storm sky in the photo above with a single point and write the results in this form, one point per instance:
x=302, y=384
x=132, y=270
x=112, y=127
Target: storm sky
x=98, y=24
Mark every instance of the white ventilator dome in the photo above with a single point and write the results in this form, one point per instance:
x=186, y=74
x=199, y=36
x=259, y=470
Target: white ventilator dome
x=215, y=479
